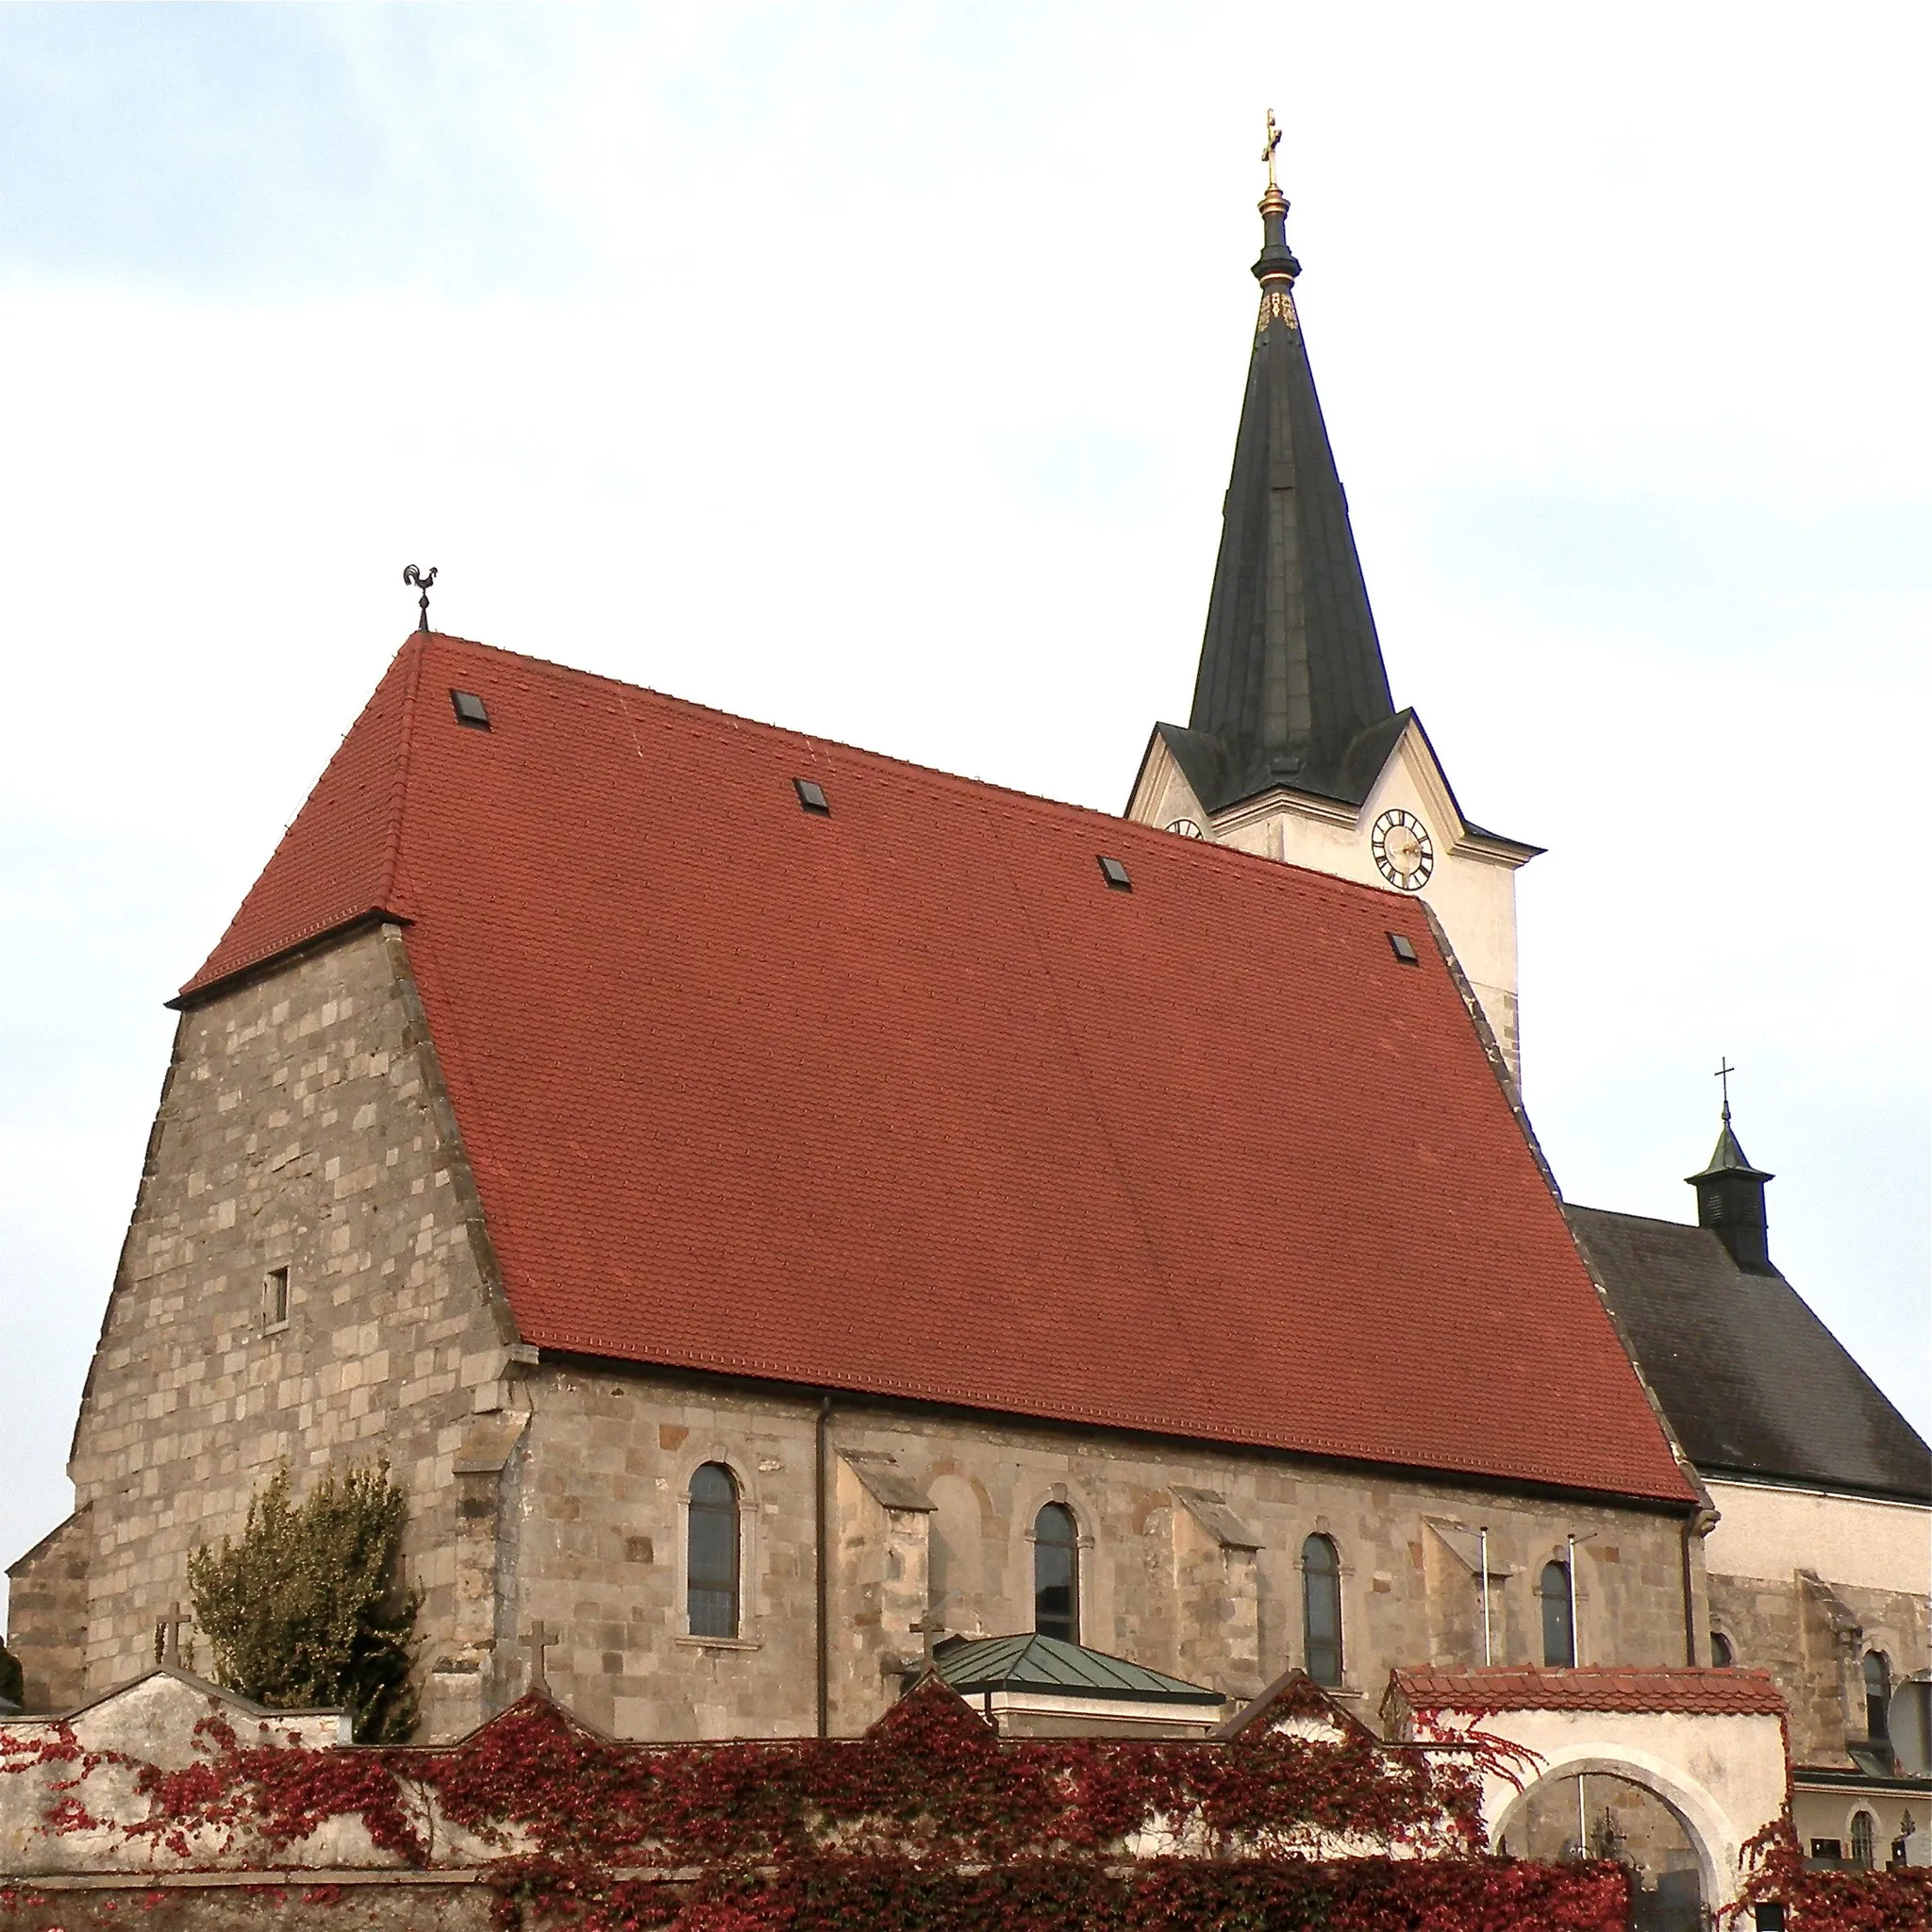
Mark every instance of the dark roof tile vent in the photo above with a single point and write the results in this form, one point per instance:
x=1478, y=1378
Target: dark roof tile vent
x=470, y=709
x=1404, y=948
x=811, y=795
x=1115, y=874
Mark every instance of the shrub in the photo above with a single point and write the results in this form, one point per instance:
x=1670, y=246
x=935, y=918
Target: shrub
x=305, y=1608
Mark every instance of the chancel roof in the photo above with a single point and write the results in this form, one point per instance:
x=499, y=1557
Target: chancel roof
x=1752, y=1382
x=906, y=1099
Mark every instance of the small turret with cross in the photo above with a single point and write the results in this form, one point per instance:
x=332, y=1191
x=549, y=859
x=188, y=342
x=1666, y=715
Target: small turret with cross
x=1730, y=1191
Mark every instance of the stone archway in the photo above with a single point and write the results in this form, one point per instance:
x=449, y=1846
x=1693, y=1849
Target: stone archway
x=1703, y=1820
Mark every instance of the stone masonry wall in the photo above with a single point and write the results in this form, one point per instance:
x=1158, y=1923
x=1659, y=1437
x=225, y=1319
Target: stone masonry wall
x=1811, y=1634
x=599, y=1490
x=47, y=1605
x=302, y=1127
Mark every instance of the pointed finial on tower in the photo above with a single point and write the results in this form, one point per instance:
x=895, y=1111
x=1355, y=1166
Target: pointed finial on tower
x=1277, y=263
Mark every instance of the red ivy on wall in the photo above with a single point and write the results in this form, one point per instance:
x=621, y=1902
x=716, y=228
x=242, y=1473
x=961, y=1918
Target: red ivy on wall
x=1834, y=1901
x=930, y=1821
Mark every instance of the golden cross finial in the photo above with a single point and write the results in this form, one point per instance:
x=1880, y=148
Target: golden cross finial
x=1273, y=143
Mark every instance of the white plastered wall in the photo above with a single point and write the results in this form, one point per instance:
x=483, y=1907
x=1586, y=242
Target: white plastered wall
x=1767, y=1532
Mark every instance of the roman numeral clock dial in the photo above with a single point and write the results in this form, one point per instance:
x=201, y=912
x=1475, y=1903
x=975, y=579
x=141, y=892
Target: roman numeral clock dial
x=1405, y=855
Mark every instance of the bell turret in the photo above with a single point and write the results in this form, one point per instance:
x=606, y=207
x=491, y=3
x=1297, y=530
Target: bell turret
x=1730, y=1196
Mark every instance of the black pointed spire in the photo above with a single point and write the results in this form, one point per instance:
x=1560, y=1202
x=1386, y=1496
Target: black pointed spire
x=1292, y=674
x=1730, y=1195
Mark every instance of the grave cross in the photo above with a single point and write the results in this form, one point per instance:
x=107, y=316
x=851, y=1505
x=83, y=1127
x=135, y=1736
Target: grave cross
x=171, y=1635
x=540, y=1637
x=929, y=1629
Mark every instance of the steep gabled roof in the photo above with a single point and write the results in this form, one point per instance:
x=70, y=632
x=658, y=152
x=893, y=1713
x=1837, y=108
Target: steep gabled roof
x=907, y=1099
x=1752, y=1382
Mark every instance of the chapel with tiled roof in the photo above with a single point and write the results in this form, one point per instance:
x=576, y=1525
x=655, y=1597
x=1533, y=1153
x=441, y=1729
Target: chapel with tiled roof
x=886, y=1221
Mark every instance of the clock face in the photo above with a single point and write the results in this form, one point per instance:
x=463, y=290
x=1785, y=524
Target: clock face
x=1186, y=828
x=1404, y=854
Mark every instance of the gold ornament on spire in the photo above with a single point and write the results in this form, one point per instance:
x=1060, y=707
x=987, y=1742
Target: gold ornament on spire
x=1273, y=143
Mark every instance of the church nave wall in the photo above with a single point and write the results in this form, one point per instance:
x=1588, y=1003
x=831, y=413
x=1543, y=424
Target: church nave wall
x=1191, y=1557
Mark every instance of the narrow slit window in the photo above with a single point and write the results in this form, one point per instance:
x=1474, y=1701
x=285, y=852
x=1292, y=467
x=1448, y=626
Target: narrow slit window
x=711, y=1535
x=1056, y=1574
x=1559, y=1633
x=1877, y=1697
x=470, y=709
x=275, y=1298
x=1322, y=1609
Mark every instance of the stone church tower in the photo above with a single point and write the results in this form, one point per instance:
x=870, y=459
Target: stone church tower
x=1294, y=748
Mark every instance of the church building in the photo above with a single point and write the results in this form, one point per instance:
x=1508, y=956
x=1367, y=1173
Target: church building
x=775, y=1206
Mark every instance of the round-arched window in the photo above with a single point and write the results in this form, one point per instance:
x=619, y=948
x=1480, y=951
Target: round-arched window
x=1864, y=1838
x=1722, y=1656
x=1322, y=1609
x=1056, y=1574
x=1560, y=1631
x=711, y=1552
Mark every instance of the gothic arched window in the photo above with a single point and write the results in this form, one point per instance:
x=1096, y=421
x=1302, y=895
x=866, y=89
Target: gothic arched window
x=1560, y=1632
x=1057, y=1572
x=711, y=1552
x=1864, y=1836
x=1877, y=1696
x=1322, y=1609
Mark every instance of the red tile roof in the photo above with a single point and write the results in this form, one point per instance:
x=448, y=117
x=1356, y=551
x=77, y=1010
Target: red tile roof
x=1509, y=1687
x=905, y=1100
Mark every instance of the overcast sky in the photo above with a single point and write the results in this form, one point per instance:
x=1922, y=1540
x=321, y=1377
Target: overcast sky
x=873, y=369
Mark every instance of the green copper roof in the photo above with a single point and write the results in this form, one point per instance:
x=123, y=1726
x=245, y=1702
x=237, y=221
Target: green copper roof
x=1047, y=1665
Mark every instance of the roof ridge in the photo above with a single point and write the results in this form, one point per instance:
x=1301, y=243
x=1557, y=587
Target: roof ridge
x=1342, y=888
